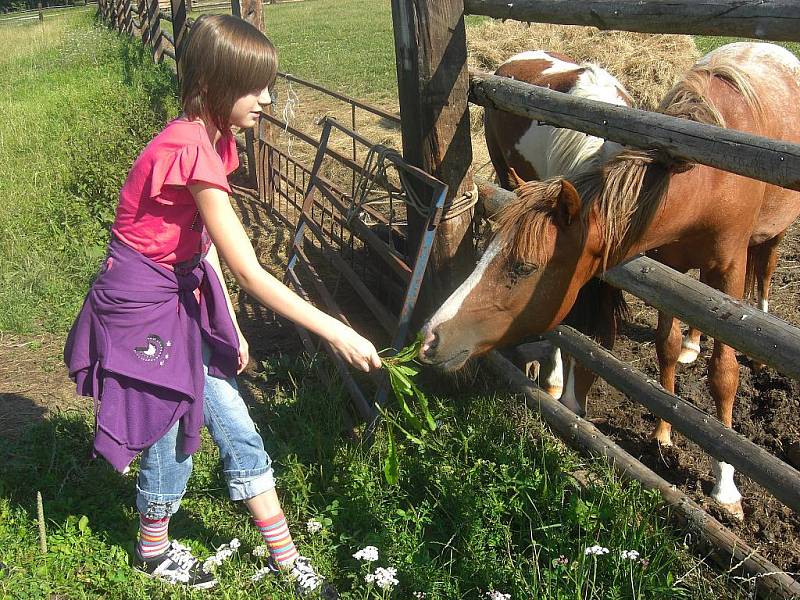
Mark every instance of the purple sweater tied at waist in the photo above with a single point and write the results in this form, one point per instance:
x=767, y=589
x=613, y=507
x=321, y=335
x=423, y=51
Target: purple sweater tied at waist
x=136, y=348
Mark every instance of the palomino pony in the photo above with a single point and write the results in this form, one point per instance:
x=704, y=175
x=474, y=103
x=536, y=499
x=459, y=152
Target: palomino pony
x=523, y=149
x=556, y=236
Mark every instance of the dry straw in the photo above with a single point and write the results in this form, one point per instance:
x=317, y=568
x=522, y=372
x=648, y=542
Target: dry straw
x=647, y=64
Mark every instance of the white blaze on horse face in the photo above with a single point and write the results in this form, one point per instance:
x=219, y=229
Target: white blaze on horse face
x=725, y=490
x=453, y=304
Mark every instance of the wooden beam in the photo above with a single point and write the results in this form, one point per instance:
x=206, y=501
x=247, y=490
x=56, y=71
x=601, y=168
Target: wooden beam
x=250, y=11
x=727, y=548
x=723, y=443
x=433, y=81
x=749, y=155
x=178, y=31
x=763, y=19
x=762, y=336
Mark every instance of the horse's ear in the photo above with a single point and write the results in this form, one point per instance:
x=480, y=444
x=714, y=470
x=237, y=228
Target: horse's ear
x=569, y=204
x=515, y=180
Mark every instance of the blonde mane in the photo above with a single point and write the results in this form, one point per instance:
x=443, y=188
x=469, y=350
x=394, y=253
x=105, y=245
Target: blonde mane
x=626, y=191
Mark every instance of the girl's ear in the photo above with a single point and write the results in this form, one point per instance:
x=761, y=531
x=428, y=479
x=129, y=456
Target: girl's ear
x=568, y=204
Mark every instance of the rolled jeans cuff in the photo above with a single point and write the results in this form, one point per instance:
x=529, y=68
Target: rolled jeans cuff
x=157, y=506
x=244, y=485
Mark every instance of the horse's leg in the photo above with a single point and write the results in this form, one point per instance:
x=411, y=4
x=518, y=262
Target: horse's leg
x=690, y=346
x=578, y=380
x=551, y=373
x=765, y=259
x=723, y=380
x=668, y=347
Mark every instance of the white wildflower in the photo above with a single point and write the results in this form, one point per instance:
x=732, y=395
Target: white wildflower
x=313, y=526
x=384, y=578
x=262, y=550
x=368, y=553
x=495, y=595
x=420, y=595
x=260, y=574
x=630, y=555
x=224, y=552
x=596, y=550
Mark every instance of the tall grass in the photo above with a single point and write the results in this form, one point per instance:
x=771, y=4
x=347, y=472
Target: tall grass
x=77, y=103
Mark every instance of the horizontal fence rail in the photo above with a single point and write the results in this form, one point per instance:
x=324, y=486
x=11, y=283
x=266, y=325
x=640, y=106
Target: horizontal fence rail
x=749, y=155
x=721, y=442
x=762, y=336
x=762, y=19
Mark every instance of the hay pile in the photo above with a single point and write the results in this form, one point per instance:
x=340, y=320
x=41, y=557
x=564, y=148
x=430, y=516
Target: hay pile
x=646, y=64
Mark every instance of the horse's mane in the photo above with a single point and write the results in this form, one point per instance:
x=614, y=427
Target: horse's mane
x=627, y=190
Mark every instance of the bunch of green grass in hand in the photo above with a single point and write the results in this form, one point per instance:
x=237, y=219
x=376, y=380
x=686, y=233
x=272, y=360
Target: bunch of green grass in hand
x=416, y=415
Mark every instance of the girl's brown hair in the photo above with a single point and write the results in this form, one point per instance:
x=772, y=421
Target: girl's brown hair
x=225, y=58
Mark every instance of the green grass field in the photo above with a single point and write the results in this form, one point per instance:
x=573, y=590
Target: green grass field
x=489, y=502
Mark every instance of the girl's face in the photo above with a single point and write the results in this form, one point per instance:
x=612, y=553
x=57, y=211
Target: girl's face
x=246, y=109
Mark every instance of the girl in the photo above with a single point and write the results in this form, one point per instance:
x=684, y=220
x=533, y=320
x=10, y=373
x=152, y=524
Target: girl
x=157, y=343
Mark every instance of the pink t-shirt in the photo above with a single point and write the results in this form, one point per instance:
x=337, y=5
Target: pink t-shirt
x=156, y=214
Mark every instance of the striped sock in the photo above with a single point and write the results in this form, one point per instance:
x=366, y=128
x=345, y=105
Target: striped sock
x=153, y=536
x=279, y=541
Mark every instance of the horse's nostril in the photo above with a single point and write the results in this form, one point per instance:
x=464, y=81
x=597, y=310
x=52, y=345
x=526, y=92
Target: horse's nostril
x=429, y=343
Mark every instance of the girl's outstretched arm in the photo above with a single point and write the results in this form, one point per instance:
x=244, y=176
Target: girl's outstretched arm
x=234, y=246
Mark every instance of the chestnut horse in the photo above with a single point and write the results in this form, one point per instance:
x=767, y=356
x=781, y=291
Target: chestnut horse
x=523, y=149
x=557, y=235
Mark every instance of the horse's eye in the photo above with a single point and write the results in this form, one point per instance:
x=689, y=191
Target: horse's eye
x=522, y=269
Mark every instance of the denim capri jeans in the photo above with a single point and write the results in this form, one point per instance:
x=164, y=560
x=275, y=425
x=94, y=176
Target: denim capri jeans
x=164, y=470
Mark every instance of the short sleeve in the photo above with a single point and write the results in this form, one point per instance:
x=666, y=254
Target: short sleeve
x=187, y=165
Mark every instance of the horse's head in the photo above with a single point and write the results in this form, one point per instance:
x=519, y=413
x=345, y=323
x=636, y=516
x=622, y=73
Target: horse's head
x=525, y=282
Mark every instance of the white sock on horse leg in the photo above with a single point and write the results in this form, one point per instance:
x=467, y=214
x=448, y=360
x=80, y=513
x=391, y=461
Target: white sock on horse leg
x=725, y=490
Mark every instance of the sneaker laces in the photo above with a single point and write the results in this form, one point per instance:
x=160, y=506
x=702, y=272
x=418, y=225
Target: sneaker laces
x=181, y=556
x=304, y=574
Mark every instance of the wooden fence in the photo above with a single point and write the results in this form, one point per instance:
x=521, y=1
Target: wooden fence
x=431, y=56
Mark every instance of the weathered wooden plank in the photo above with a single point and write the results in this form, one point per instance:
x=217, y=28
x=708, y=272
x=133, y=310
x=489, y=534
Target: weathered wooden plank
x=721, y=442
x=753, y=156
x=178, y=8
x=432, y=79
x=761, y=336
x=762, y=19
x=727, y=548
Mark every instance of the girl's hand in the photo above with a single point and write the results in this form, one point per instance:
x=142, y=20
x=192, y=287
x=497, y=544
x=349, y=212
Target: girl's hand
x=353, y=348
x=244, y=353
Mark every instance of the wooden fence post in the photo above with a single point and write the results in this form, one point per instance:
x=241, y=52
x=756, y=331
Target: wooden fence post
x=178, y=8
x=153, y=11
x=250, y=11
x=41, y=14
x=433, y=83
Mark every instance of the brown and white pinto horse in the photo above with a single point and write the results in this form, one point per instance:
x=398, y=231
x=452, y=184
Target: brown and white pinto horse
x=556, y=236
x=522, y=150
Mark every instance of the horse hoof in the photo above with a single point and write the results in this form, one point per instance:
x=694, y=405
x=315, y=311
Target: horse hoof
x=554, y=390
x=663, y=439
x=689, y=354
x=734, y=510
